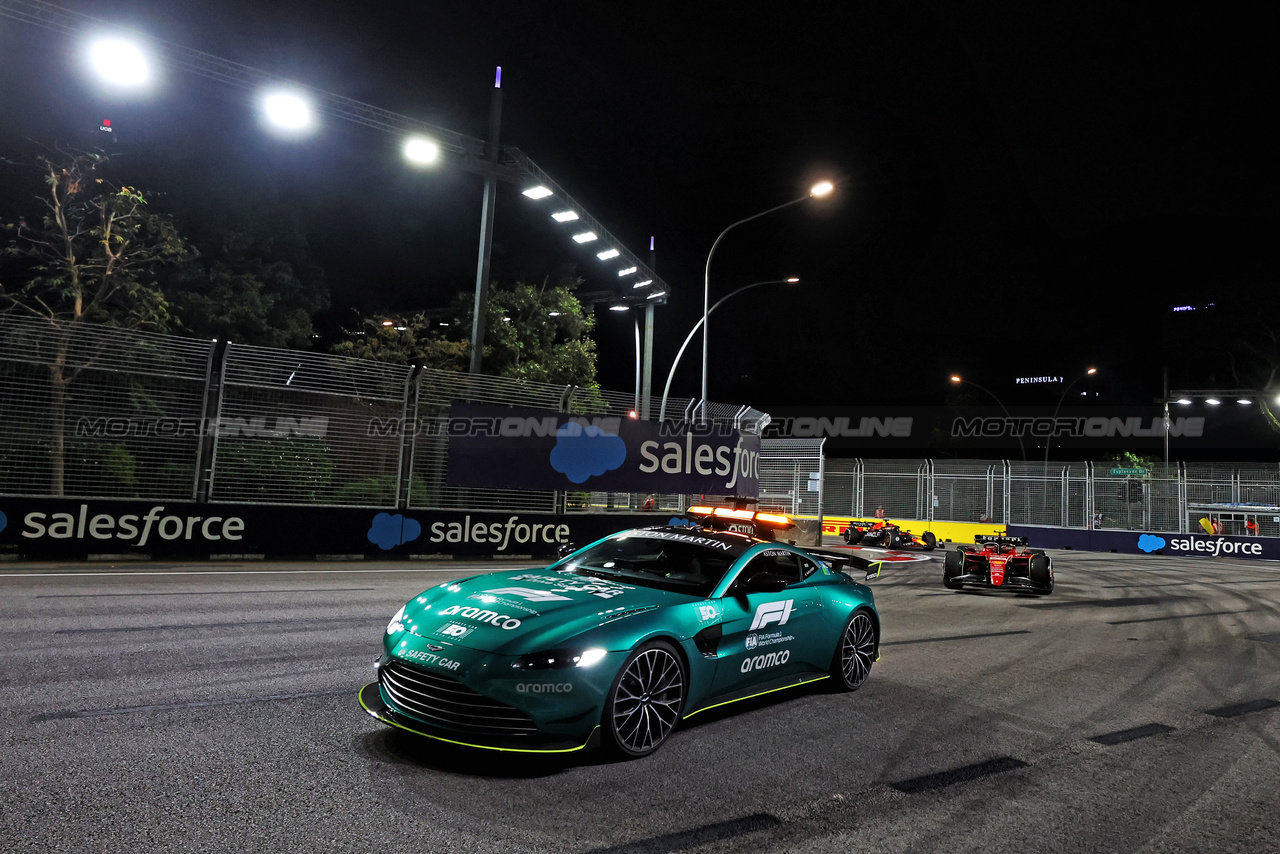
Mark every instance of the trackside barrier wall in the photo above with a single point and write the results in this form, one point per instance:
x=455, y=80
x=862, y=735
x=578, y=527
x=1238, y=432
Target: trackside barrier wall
x=1150, y=542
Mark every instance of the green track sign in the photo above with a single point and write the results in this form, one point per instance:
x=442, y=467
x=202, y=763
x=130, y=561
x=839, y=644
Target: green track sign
x=1130, y=472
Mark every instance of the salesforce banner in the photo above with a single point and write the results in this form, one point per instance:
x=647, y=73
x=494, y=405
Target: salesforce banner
x=510, y=448
x=1142, y=542
x=36, y=528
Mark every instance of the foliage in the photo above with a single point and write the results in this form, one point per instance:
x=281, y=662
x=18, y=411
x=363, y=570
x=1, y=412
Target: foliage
x=95, y=252
x=297, y=469
x=254, y=282
x=533, y=332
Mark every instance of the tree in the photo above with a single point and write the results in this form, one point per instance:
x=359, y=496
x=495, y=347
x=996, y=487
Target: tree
x=533, y=332
x=93, y=257
x=253, y=281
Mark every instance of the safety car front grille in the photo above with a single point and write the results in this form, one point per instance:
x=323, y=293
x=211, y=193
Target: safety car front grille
x=446, y=702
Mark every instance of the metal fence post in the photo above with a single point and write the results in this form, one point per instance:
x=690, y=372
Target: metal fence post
x=198, y=475
x=206, y=494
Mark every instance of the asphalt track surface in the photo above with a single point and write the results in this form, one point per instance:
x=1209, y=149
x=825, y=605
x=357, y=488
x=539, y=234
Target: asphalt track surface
x=212, y=707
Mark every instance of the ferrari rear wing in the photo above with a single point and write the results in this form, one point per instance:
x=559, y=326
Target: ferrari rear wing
x=999, y=540
x=838, y=559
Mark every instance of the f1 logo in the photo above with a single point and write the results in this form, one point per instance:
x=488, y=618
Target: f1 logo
x=772, y=612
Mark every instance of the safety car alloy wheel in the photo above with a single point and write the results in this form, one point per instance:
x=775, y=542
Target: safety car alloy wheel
x=646, y=699
x=856, y=652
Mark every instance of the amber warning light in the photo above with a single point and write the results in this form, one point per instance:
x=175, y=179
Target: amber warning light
x=728, y=514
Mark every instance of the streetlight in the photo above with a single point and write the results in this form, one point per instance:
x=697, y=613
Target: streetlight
x=120, y=62
x=662, y=410
x=957, y=380
x=1062, y=397
x=818, y=190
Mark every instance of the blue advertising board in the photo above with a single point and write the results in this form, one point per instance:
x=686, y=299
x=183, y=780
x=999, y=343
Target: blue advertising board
x=1152, y=543
x=512, y=448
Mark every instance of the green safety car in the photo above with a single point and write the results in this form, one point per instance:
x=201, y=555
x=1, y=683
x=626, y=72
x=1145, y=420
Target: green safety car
x=618, y=642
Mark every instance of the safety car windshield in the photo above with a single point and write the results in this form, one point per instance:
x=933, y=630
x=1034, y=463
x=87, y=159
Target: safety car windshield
x=683, y=563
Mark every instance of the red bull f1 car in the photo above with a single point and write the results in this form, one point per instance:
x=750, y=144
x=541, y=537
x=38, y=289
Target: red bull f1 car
x=999, y=563
x=883, y=534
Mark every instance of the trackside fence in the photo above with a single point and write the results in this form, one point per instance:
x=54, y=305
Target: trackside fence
x=1167, y=498
x=98, y=412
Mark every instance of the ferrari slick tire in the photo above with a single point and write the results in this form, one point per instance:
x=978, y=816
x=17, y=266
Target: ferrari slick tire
x=930, y=541
x=952, y=566
x=855, y=651
x=1040, y=573
x=645, y=701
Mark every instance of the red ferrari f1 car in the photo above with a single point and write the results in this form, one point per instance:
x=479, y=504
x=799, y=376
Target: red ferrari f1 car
x=999, y=563
x=884, y=534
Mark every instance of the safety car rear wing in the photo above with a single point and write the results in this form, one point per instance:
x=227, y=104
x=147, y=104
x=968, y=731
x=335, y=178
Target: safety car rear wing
x=840, y=560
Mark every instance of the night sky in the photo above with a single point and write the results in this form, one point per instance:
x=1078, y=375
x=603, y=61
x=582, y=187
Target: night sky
x=1025, y=188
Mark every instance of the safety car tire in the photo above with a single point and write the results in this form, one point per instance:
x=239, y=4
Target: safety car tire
x=855, y=651
x=646, y=700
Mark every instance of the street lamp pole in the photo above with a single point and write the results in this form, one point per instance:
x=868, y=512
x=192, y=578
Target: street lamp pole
x=491, y=152
x=662, y=410
x=1062, y=397
x=820, y=189
x=957, y=380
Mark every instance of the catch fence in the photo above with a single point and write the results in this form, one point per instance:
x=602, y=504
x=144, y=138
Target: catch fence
x=1167, y=498
x=97, y=412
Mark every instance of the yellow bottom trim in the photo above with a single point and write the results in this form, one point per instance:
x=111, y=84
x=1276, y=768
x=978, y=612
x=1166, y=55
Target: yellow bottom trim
x=398, y=725
x=761, y=694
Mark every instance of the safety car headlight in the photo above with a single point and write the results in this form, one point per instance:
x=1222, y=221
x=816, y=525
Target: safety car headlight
x=559, y=659
x=395, y=625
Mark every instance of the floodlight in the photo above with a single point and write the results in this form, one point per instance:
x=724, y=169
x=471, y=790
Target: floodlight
x=421, y=151
x=642, y=284
x=955, y=379
x=821, y=188
x=120, y=62
x=607, y=254
x=1212, y=401
x=538, y=192
x=1183, y=401
x=619, y=308
x=585, y=237
x=793, y=280
x=553, y=314
x=287, y=110
x=627, y=271
x=1092, y=371
x=565, y=216
x=656, y=294
x=1244, y=401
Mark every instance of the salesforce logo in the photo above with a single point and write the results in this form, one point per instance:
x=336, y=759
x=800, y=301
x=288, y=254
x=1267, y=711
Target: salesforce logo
x=584, y=452
x=1150, y=543
x=388, y=531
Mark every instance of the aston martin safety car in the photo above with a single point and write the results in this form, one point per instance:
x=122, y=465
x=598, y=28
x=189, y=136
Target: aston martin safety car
x=618, y=642
x=999, y=563
x=884, y=534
